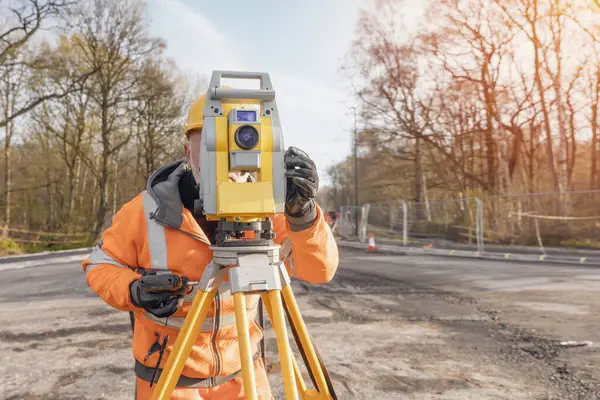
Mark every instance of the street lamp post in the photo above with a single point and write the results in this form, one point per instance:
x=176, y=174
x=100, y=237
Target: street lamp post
x=355, y=172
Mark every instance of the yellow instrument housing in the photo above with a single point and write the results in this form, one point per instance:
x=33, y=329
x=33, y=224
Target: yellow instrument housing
x=246, y=201
x=221, y=155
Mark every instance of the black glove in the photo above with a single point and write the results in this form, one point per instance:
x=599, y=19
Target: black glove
x=160, y=295
x=302, y=186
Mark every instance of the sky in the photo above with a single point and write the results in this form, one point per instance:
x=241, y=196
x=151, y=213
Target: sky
x=301, y=44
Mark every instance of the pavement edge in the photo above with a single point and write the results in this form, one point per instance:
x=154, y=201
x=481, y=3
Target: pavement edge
x=44, y=255
x=541, y=258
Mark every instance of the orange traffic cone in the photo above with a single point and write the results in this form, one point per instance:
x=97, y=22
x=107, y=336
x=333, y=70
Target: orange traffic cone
x=371, y=248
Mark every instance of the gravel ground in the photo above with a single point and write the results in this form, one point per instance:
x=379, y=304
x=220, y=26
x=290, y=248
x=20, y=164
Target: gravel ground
x=386, y=327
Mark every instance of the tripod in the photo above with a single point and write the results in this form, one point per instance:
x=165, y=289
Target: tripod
x=253, y=266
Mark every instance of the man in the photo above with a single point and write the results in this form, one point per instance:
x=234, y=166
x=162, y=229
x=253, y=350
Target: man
x=159, y=231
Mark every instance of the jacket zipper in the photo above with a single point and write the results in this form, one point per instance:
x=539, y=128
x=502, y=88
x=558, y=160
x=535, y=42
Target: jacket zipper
x=217, y=317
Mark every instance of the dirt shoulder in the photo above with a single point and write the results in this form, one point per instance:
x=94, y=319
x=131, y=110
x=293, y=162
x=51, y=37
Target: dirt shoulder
x=389, y=339
x=382, y=336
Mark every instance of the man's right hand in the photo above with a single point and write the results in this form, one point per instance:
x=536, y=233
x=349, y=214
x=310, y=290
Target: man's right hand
x=160, y=295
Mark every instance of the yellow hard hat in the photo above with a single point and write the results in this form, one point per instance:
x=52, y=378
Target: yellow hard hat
x=195, y=116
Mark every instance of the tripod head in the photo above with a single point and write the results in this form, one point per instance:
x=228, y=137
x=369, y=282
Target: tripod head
x=233, y=234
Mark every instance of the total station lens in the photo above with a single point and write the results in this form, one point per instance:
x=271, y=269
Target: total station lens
x=246, y=137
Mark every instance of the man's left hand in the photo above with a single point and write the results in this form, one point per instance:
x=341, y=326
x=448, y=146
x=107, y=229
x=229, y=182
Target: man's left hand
x=302, y=186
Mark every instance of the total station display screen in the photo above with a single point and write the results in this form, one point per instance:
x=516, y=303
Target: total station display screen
x=246, y=116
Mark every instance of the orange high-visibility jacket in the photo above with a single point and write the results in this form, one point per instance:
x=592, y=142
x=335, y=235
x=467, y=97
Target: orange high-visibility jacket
x=155, y=231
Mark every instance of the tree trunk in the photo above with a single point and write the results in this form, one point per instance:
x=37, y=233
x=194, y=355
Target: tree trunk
x=7, y=175
x=102, y=201
x=425, y=197
x=504, y=156
x=138, y=166
x=594, y=184
x=472, y=155
x=489, y=131
x=481, y=157
x=50, y=216
x=76, y=181
x=540, y=87
x=115, y=186
x=418, y=178
x=563, y=142
x=104, y=172
x=549, y=145
x=70, y=195
x=82, y=193
x=531, y=162
x=150, y=153
x=572, y=148
x=7, y=181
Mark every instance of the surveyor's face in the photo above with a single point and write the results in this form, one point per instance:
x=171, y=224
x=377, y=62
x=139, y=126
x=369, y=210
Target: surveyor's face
x=192, y=153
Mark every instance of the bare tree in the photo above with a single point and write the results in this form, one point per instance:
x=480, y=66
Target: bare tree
x=159, y=101
x=112, y=36
x=65, y=122
x=25, y=21
x=23, y=70
x=471, y=46
x=75, y=105
x=525, y=15
x=555, y=23
x=11, y=88
x=594, y=120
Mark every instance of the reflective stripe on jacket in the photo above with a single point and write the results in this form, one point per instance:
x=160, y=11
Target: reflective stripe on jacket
x=155, y=231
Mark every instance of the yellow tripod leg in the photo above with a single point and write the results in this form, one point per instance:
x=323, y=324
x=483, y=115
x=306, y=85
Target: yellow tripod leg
x=307, y=345
x=299, y=380
x=244, y=340
x=277, y=317
x=183, y=345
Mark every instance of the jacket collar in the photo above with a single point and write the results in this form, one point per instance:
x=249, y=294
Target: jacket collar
x=163, y=186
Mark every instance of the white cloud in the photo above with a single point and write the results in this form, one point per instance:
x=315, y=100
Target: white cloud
x=192, y=40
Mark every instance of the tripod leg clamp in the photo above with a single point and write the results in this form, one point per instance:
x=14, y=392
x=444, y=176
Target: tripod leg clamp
x=212, y=278
x=283, y=273
x=254, y=273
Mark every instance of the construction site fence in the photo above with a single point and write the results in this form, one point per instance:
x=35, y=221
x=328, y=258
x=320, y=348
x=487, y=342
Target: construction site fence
x=540, y=223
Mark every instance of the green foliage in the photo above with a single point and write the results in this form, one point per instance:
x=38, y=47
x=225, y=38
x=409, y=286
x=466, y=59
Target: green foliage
x=56, y=247
x=8, y=247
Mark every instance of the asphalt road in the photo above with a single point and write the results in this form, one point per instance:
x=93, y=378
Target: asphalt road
x=388, y=327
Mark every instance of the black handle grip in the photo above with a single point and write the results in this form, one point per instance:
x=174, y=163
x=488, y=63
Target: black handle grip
x=163, y=283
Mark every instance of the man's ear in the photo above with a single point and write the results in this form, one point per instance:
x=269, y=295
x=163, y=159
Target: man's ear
x=186, y=149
